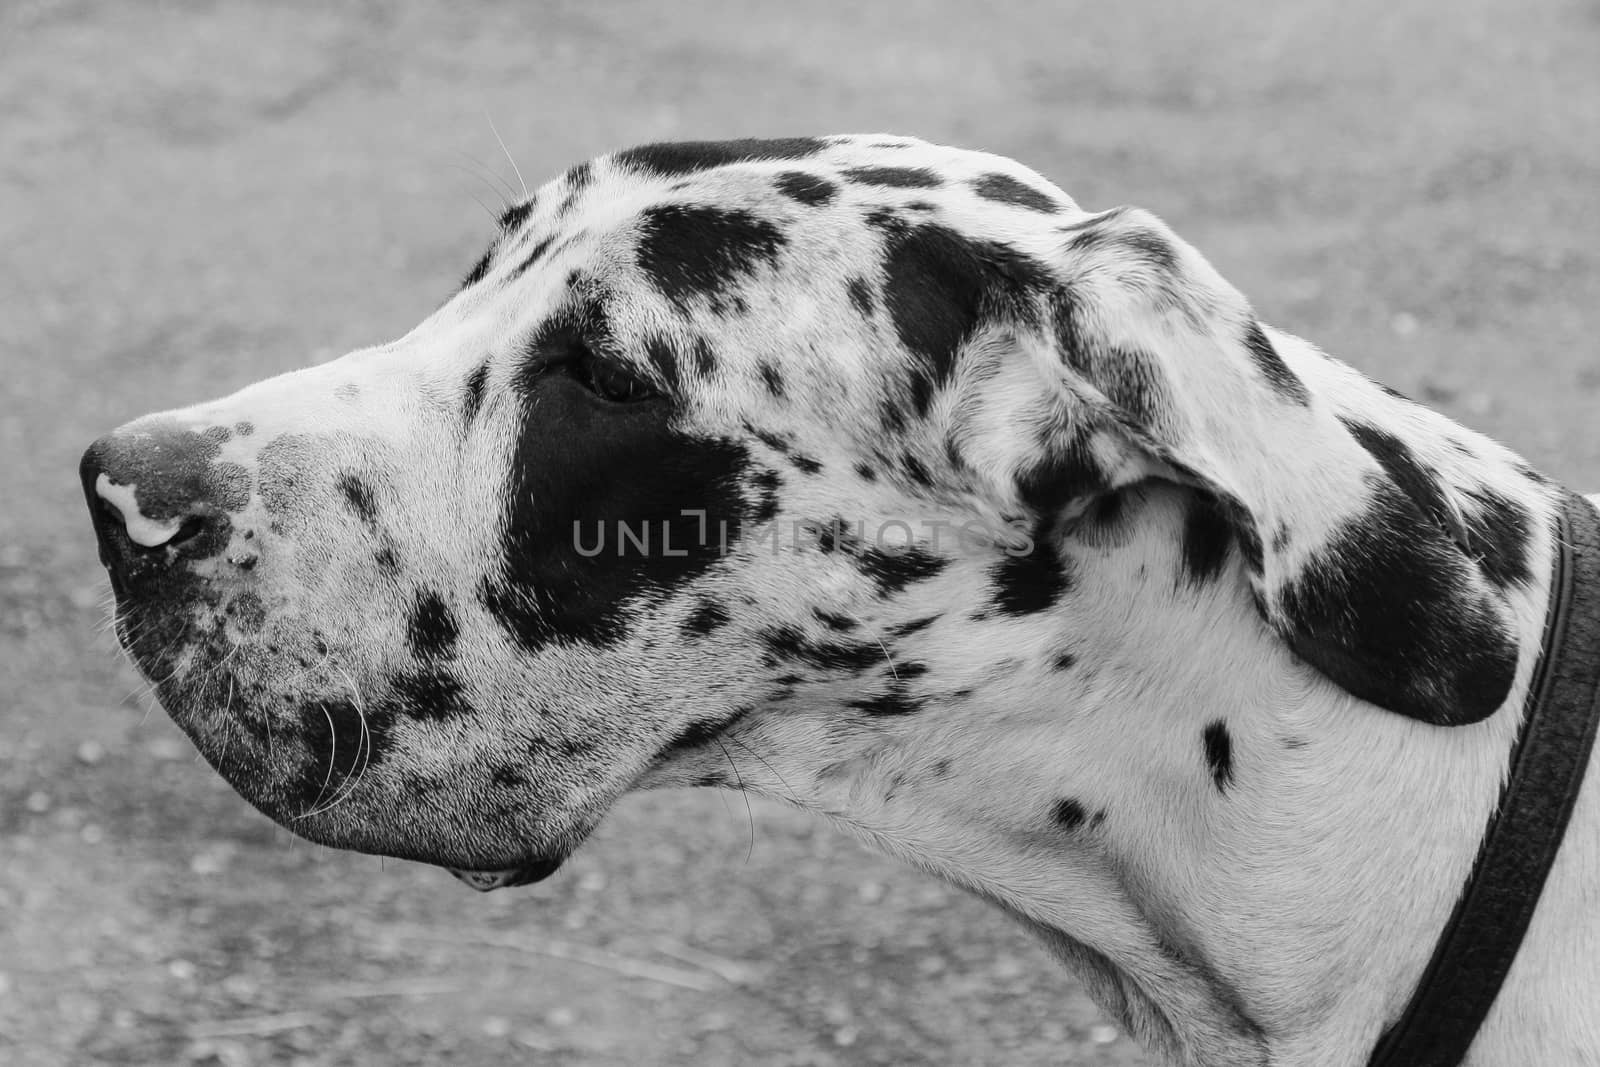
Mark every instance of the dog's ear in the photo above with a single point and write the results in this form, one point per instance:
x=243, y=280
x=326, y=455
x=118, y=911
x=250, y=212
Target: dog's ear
x=1356, y=557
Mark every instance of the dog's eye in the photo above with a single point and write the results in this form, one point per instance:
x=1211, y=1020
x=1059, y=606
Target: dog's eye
x=607, y=378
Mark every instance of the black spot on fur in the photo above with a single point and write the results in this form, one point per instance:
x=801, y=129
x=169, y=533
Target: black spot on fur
x=1030, y=583
x=1497, y=536
x=431, y=629
x=386, y=559
x=896, y=177
x=866, y=473
x=861, y=295
x=1141, y=245
x=787, y=643
x=806, y=464
x=358, y=494
x=508, y=776
x=918, y=472
x=1069, y=814
x=1064, y=661
x=663, y=360
x=427, y=695
x=1395, y=614
x=890, y=570
x=833, y=620
x=1005, y=189
x=767, y=484
x=771, y=378
x=534, y=256
x=1207, y=534
x=340, y=739
x=806, y=188
x=686, y=157
x=479, y=270
x=941, y=286
x=906, y=629
x=244, y=429
x=475, y=386
x=705, y=361
x=883, y=218
x=776, y=442
x=707, y=616
x=1414, y=480
x=892, y=701
x=1273, y=367
x=697, y=251
x=1064, y=472
x=515, y=215
x=1219, y=754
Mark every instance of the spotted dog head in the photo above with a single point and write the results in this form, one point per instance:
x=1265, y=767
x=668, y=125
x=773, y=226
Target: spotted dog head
x=758, y=439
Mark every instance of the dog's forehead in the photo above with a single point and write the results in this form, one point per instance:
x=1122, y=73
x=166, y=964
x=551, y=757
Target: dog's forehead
x=769, y=261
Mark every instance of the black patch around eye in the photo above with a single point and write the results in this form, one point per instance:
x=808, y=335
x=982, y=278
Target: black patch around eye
x=1219, y=754
x=707, y=616
x=1004, y=189
x=671, y=159
x=1497, y=536
x=475, y=386
x=1272, y=366
x=1030, y=583
x=431, y=630
x=1414, y=480
x=1207, y=534
x=940, y=286
x=806, y=188
x=695, y=251
x=1069, y=814
x=861, y=296
x=895, y=177
x=583, y=472
x=358, y=494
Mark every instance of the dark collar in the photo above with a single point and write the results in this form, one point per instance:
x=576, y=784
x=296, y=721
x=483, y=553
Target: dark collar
x=1547, y=762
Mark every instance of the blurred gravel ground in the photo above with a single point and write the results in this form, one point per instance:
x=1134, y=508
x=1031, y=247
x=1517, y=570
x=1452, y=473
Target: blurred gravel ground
x=195, y=195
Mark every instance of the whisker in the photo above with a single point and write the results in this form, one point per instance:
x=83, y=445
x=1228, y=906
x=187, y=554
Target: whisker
x=748, y=814
x=514, y=168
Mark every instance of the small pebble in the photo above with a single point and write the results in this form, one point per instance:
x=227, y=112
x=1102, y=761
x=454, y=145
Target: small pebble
x=38, y=802
x=91, y=752
x=561, y=1017
x=1102, y=1033
x=496, y=1026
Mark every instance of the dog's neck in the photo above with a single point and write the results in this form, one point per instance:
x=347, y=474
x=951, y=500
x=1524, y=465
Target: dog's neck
x=1246, y=864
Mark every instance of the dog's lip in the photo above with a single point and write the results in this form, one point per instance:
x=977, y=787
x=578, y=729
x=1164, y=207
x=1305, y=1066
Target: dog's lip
x=526, y=874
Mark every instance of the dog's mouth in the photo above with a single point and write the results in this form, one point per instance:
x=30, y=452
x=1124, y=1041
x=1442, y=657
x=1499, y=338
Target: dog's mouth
x=527, y=874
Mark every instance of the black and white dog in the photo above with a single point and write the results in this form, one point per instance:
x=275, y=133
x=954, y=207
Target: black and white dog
x=1002, y=533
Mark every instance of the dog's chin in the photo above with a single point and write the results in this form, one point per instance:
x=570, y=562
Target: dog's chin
x=536, y=870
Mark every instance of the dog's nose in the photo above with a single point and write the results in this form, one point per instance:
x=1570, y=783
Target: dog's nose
x=155, y=494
